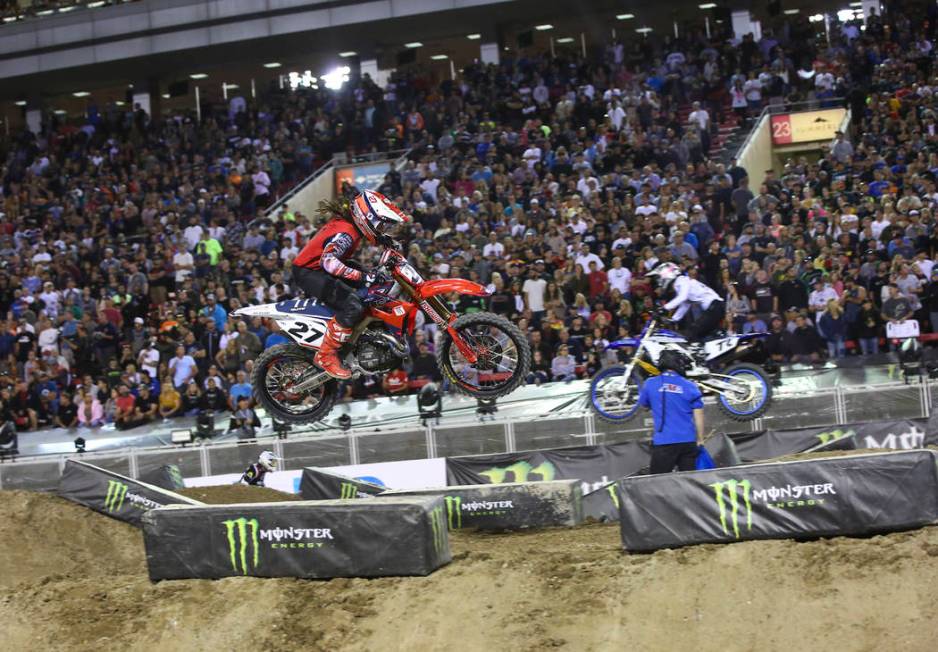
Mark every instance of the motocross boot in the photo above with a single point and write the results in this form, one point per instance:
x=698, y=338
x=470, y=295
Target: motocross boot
x=327, y=357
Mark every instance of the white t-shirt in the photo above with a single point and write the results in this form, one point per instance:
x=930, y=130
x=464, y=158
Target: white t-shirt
x=429, y=187
x=182, y=258
x=496, y=249
x=149, y=359
x=620, y=278
x=585, y=261
x=532, y=155
x=192, y=234
x=534, y=289
x=820, y=299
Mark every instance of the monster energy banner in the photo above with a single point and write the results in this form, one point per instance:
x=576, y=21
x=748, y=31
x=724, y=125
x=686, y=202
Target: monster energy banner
x=113, y=494
x=905, y=434
x=508, y=506
x=854, y=495
x=594, y=466
x=317, y=484
x=310, y=539
x=602, y=504
x=167, y=476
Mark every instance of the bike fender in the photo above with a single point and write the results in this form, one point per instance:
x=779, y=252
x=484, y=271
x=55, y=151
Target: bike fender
x=447, y=285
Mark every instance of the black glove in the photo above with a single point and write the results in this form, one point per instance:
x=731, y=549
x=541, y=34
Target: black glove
x=373, y=277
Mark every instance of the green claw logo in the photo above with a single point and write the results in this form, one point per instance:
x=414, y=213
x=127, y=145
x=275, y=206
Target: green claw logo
x=614, y=495
x=238, y=541
x=834, y=435
x=114, y=499
x=349, y=491
x=439, y=529
x=744, y=487
x=453, y=511
x=520, y=471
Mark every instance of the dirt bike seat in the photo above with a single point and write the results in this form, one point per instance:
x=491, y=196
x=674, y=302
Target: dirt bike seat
x=716, y=335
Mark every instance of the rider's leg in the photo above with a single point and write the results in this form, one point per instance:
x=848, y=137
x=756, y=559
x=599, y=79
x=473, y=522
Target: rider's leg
x=349, y=310
x=705, y=324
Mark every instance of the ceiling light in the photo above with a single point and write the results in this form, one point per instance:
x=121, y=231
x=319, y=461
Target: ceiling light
x=231, y=87
x=856, y=4
x=643, y=30
x=119, y=103
x=81, y=93
x=708, y=5
x=59, y=112
x=816, y=18
x=166, y=96
x=473, y=37
x=352, y=53
x=273, y=64
x=9, y=19
x=565, y=39
x=198, y=75
x=63, y=10
x=625, y=16
x=20, y=102
x=791, y=12
x=440, y=57
x=543, y=28
x=95, y=5
x=413, y=44
x=45, y=12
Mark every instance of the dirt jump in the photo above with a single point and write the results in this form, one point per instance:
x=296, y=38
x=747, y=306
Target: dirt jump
x=71, y=579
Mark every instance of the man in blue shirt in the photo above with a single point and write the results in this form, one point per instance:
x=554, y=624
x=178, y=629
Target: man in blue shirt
x=676, y=406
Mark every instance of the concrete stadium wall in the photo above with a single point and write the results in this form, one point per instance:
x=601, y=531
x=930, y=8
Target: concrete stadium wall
x=756, y=156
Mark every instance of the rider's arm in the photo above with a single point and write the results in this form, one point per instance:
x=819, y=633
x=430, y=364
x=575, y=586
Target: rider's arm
x=332, y=258
x=681, y=292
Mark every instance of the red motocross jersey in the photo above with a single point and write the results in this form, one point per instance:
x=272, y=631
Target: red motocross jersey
x=328, y=247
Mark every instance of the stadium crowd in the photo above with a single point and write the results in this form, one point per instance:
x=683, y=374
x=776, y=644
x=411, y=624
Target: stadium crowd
x=127, y=241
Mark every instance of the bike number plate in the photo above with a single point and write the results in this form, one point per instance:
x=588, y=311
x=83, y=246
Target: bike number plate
x=308, y=332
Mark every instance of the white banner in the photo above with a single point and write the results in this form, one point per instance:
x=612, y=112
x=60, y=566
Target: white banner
x=408, y=474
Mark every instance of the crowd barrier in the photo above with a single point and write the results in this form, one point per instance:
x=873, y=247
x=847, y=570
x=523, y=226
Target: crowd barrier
x=508, y=506
x=307, y=539
x=115, y=495
x=855, y=495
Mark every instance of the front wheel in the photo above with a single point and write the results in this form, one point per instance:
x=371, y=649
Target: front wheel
x=503, y=356
x=751, y=393
x=614, y=398
x=280, y=368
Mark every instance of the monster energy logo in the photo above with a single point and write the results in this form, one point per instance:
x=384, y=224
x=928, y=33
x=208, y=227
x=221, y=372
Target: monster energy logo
x=520, y=472
x=114, y=499
x=614, y=495
x=238, y=542
x=453, y=511
x=349, y=491
x=175, y=477
x=439, y=528
x=731, y=487
x=833, y=435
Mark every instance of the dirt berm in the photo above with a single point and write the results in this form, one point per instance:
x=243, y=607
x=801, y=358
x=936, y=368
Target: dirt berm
x=74, y=580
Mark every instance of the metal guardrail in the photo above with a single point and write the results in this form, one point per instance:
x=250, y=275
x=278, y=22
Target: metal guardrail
x=337, y=161
x=834, y=406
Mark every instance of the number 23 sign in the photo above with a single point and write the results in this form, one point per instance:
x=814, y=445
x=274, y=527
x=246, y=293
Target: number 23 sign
x=781, y=129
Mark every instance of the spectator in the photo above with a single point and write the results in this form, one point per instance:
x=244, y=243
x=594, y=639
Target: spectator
x=834, y=327
x=90, y=412
x=125, y=403
x=563, y=366
x=868, y=328
x=183, y=367
x=170, y=403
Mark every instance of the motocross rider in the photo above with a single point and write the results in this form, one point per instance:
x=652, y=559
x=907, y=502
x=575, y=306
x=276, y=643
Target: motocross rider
x=686, y=293
x=322, y=271
x=254, y=475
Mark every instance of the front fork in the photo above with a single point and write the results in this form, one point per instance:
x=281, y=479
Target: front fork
x=444, y=318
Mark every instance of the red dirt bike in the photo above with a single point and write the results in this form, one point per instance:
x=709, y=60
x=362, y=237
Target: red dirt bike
x=482, y=354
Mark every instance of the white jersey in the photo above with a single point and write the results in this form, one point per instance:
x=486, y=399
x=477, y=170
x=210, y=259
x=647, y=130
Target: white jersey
x=688, y=292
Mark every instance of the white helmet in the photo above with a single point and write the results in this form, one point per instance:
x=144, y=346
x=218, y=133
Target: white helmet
x=267, y=460
x=376, y=216
x=666, y=273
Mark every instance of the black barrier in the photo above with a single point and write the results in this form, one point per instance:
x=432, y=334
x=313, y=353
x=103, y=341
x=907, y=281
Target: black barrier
x=167, y=476
x=308, y=539
x=113, y=494
x=317, y=484
x=594, y=466
x=602, y=504
x=508, y=506
x=852, y=495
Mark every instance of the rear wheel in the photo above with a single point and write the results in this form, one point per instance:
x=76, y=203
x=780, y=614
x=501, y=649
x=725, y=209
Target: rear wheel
x=282, y=367
x=752, y=396
x=504, y=356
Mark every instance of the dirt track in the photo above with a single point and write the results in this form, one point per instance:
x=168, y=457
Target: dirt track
x=71, y=579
